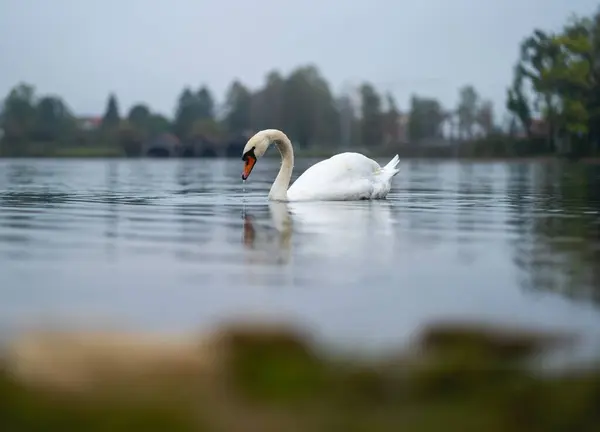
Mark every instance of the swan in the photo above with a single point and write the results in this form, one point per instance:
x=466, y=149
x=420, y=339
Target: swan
x=345, y=176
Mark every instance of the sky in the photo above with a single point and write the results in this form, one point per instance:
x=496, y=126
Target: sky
x=148, y=50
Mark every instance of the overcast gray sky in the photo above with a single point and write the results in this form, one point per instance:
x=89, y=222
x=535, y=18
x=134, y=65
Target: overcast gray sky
x=147, y=50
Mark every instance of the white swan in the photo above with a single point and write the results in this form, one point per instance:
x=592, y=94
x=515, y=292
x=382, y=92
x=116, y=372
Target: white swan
x=343, y=177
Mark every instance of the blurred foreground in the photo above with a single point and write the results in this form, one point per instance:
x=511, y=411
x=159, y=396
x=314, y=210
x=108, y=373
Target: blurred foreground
x=248, y=376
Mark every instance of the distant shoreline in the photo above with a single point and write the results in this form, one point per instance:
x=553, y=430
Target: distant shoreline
x=592, y=160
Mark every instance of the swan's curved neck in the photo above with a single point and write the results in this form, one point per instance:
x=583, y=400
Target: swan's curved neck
x=280, y=186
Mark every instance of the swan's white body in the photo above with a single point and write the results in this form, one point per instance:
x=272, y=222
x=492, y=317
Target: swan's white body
x=343, y=177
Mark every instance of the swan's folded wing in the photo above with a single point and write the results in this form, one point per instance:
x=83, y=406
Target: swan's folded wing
x=348, y=189
x=345, y=176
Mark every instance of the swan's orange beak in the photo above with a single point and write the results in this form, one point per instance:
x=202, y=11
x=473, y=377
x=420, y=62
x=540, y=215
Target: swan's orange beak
x=250, y=161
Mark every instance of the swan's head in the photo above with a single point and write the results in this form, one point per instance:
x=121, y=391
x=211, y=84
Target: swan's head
x=255, y=148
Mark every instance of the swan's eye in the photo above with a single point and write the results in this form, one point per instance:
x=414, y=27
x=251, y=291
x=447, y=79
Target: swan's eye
x=249, y=153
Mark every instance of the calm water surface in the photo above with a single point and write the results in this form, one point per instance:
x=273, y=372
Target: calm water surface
x=179, y=244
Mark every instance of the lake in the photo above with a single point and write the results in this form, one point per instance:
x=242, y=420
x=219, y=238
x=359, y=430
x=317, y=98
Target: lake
x=182, y=244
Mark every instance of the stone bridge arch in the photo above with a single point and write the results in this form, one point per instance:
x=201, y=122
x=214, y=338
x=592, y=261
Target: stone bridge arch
x=162, y=146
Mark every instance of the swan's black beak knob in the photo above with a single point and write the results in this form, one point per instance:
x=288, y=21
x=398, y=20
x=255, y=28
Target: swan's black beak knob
x=249, y=162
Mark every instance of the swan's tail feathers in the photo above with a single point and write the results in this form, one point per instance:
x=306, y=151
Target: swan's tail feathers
x=390, y=169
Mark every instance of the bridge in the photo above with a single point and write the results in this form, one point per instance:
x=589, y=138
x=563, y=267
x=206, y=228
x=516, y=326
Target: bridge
x=168, y=145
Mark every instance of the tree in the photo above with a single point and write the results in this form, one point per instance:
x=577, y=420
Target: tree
x=145, y=123
x=298, y=109
x=139, y=116
x=562, y=69
x=539, y=57
x=371, y=116
x=267, y=103
x=137, y=129
x=576, y=77
x=238, y=108
x=18, y=118
x=206, y=129
x=485, y=117
x=18, y=113
x=185, y=114
x=390, y=120
x=157, y=124
x=309, y=110
x=426, y=117
x=111, y=117
x=348, y=121
x=205, y=104
x=53, y=120
x=327, y=113
x=467, y=111
x=517, y=102
x=130, y=139
x=195, y=114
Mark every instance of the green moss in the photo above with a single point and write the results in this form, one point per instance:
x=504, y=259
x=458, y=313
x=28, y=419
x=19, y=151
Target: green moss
x=27, y=409
x=275, y=366
x=276, y=381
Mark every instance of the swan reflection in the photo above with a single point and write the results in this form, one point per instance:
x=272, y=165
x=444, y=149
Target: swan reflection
x=269, y=242
x=329, y=229
x=345, y=228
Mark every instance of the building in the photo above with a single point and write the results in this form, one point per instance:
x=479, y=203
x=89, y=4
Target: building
x=90, y=122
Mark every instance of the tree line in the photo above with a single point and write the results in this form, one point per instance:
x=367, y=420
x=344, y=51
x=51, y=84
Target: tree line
x=557, y=79
x=302, y=104
x=553, y=101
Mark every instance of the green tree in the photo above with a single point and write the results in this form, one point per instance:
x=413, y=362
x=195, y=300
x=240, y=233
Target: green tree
x=576, y=78
x=327, y=113
x=139, y=116
x=130, y=138
x=207, y=129
x=111, y=117
x=238, y=108
x=185, y=114
x=205, y=104
x=517, y=102
x=390, y=120
x=485, y=117
x=309, y=112
x=348, y=122
x=18, y=113
x=158, y=123
x=467, y=111
x=53, y=120
x=135, y=130
x=539, y=58
x=562, y=69
x=18, y=118
x=426, y=118
x=143, y=124
x=195, y=114
x=298, y=108
x=371, y=117
x=267, y=103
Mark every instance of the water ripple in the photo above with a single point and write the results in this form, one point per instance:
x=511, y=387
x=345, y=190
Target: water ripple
x=502, y=241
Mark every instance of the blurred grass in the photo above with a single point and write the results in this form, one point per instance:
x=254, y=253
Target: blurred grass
x=461, y=379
